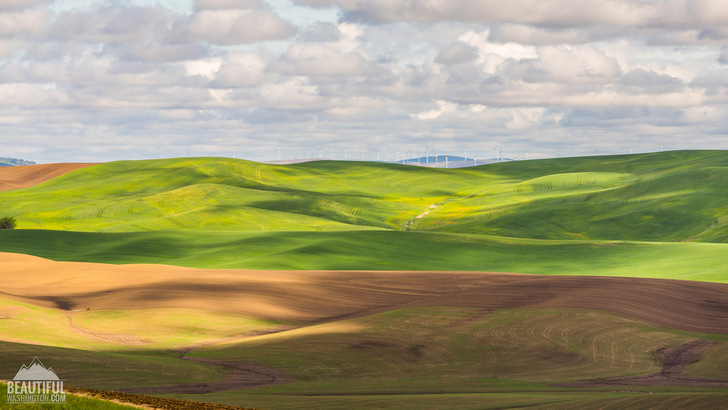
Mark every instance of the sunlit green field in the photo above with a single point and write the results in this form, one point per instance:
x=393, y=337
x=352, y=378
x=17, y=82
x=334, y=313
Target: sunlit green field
x=672, y=196
x=549, y=216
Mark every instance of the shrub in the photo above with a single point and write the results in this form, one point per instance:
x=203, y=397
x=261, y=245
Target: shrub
x=8, y=222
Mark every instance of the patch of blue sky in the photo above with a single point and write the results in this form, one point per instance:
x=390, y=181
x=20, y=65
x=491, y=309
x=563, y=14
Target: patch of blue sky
x=296, y=14
x=179, y=6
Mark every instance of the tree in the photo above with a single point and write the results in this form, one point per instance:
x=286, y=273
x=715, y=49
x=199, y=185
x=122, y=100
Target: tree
x=8, y=222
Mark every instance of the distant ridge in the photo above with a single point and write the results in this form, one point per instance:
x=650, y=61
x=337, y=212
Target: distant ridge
x=433, y=161
x=13, y=162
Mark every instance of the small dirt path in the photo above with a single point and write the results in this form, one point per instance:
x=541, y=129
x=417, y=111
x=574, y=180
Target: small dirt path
x=675, y=360
x=114, y=338
x=420, y=216
x=241, y=376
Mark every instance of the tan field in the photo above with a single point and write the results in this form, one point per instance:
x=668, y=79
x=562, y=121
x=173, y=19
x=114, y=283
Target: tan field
x=316, y=296
x=29, y=175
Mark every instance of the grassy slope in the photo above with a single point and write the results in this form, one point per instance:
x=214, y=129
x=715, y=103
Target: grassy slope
x=672, y=196
x=212, y=212
x=374, y=250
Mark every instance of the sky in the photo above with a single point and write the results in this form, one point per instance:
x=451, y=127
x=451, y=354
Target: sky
x=103, y=80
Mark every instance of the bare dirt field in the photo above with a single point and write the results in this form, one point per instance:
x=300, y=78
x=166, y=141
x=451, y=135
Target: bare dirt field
x=29, y=175
x=318, y=296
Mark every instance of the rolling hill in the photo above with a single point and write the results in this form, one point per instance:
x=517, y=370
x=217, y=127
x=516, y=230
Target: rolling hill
x=630, y=215
x=671, y=196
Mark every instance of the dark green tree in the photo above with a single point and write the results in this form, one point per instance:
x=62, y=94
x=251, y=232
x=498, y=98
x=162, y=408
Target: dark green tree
x=8, y=222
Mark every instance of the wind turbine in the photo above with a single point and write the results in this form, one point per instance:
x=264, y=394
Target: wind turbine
x=346, y=151
x=466, y=155
x=321, y=149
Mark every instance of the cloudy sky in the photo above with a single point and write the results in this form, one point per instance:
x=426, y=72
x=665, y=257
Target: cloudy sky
x=100, y=80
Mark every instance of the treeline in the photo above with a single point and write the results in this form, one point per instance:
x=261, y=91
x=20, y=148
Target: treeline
x=11, y=162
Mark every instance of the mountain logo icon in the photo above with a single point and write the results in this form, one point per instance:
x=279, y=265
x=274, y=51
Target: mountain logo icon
x=35, y=371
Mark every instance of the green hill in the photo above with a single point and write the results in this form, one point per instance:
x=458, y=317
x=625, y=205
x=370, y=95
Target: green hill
x=216, y=212
x=673, y=196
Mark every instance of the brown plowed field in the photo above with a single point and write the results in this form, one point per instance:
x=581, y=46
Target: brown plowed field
x=328, y=295
x=29, y=175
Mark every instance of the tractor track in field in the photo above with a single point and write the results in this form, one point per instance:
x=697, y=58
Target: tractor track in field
x=673, y=373
x=240, y=376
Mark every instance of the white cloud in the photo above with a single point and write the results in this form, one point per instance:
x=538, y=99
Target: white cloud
x=245, y=69
x=580, y=64
x=24, y=23
x=230, y=27
x=320, y=60
x=205, y=67
x=442, y=107
x=108, y=24
x=527, y=34
x=21, y=4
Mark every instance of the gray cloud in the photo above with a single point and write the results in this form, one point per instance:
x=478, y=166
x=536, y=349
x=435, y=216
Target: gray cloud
x=108, y=24
x=723, y=58
x=640, y=81
x=457, y=52
x=321, y=32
